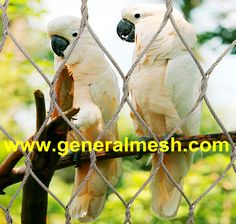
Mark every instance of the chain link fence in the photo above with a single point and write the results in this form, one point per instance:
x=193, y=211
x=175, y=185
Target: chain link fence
x=125, y=99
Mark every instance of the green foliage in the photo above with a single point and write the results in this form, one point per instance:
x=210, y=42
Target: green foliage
x=16, y=71
x=208, y=123
x=22, y=9
x=188, y=5
x=226, y=36
x=19, y=8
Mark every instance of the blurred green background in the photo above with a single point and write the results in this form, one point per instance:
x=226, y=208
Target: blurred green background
x=18, y=81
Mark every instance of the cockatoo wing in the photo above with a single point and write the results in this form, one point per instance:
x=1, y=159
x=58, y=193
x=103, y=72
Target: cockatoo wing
x=183, y=82
x=105, y=93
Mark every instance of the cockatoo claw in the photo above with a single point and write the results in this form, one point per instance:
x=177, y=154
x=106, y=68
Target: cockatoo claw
x=75, y=157
x=140, y=153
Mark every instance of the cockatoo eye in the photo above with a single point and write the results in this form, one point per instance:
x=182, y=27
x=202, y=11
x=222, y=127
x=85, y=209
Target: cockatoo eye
x=137, y=15
x=74, y=34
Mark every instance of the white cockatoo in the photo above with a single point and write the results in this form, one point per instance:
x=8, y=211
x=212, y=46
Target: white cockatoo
x=164, y=87
x=96, y=93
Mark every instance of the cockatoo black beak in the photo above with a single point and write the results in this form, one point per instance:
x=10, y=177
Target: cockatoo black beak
x=59, y=44
x=126, y=30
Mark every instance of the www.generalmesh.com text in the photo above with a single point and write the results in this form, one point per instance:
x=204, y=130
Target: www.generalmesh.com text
x=64, y=147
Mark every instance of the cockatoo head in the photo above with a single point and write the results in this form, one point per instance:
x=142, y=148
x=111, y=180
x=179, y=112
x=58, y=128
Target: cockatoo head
x=134, y=14
x=63, y=31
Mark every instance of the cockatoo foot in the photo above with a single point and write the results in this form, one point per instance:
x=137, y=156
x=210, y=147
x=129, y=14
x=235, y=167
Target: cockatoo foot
x=175, y=135
x=140, y=139
x=75, y=157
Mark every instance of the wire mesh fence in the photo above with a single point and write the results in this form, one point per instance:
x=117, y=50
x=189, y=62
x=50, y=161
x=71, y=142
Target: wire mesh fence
x=125, y=99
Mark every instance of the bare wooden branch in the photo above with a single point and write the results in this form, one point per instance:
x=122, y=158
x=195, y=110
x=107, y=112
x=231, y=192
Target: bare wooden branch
x=33, y=196
x=15, y=176
x=44, y=164
x=10, y=161
x=40, y=112
x=59, y=121
x=6, y=167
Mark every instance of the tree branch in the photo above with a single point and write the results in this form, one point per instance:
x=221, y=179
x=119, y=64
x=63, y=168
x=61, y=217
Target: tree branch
x=6, y=167
x=35, y=198
x=40, y=112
